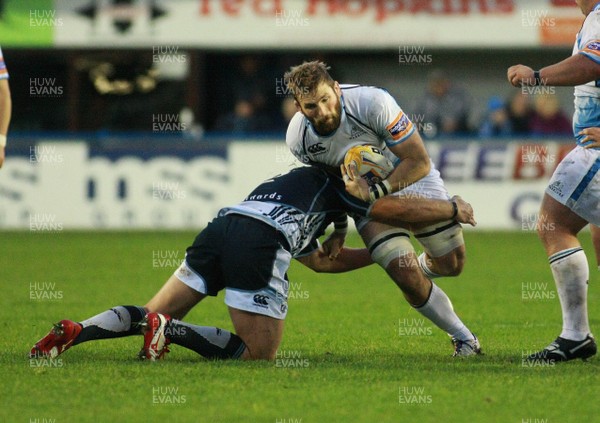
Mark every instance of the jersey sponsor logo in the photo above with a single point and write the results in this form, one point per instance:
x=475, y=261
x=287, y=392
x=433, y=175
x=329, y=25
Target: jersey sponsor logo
x=400, y=127
x=261, y=300
x=316, y=148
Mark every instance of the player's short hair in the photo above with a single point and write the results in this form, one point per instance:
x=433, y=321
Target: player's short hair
x=304, y=79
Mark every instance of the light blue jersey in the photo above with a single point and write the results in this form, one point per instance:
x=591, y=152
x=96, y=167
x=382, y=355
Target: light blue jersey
x=587, y=96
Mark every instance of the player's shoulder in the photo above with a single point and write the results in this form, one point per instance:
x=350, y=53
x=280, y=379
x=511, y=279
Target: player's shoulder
x=295, y=129
x=363, y=93
x=367, y=102
x=591, y=25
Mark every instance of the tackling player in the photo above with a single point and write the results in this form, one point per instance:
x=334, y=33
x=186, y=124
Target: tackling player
x=246, y=251
x=333, y=118
x=572, y=199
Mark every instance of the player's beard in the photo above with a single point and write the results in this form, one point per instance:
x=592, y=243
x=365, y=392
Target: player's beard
x=331, y=123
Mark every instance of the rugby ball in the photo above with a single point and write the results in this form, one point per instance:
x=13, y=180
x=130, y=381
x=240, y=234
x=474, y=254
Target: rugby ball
x=370, y=163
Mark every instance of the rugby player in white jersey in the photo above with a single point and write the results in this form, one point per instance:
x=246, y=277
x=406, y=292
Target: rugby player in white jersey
x=572, y=199
x=331, y=119
x=246, y=252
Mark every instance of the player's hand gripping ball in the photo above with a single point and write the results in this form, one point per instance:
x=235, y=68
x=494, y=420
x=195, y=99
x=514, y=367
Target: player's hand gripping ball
x=370, y=163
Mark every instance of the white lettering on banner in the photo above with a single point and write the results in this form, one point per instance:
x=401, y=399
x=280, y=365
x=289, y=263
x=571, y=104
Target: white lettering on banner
x=164, y=192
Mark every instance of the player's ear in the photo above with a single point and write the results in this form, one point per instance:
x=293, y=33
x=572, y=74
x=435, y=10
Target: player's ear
x=298, y=108
x=336, y=88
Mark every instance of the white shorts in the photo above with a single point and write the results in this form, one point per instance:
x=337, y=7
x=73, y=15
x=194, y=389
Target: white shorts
x=269, y=301
x=246, y=258
x=430, y=187
x=576, y=183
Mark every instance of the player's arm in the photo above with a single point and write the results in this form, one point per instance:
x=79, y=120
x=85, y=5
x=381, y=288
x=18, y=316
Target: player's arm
x=576, y=70
x=402, y=138
x=414, y=162
x=347, y=259
x=398, y=211
x=334, y=243
x=5, y=114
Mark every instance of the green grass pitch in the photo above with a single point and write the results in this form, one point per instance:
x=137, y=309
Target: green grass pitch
x=353, y=350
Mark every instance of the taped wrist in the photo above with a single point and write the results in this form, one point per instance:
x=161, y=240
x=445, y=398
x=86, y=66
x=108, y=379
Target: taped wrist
x=378, y=190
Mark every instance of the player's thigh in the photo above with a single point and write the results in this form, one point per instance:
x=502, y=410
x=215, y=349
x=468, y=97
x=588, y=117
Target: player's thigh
x=261, y=334
x=385, y=242
x=558, y=226
x=175, y=298
x=442, y=240
x=390, y=247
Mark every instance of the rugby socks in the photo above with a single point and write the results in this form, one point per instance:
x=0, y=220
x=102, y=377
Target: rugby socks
x=114, y=323
x=439, y=310
x=209, y=342
x=425, y=267
x=571, y=274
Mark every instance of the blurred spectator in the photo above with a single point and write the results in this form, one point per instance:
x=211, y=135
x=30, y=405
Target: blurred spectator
x=548, y=118
x=519, y=113
x=249, y=82
x=445, y=105
x=496, y=122
x=287, y=111
x=244, y=119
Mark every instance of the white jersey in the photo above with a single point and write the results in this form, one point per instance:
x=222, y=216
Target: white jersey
x=587, y=96
x=369, y=116
x=588, y=44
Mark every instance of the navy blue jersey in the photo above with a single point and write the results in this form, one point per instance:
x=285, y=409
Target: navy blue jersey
x=300, y=204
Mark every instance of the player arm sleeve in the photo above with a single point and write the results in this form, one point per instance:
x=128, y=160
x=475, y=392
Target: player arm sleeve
x=580, y=68
x=389, y=120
